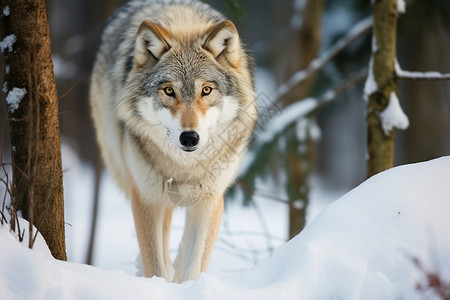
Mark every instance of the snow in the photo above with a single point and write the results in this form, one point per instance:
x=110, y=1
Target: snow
x=374, y=44
x=401, y=6
x=7, y=43
x=430, y=75
x=306, y=128
x=14, y=97
x=289, y=115
x=6, y=11
x=62, y=68
x=39, y=244
x=371, y=85
x=316, y=64
x=362, y=246
x=393, y=115
x=241, y=242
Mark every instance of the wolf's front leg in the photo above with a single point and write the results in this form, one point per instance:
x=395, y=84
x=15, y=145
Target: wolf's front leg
x=200, y=233
x=149, y=220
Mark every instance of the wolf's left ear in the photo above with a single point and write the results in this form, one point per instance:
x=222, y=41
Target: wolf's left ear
x=223, y=42
x=151, y=43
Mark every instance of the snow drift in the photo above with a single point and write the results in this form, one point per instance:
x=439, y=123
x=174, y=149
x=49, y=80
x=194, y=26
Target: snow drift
x=361, y=246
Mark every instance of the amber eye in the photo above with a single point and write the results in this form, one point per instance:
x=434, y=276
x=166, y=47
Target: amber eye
x=206, y=90
x=169, y=91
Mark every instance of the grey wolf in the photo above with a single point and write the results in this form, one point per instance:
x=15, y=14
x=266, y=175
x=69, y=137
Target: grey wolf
x=173, y=103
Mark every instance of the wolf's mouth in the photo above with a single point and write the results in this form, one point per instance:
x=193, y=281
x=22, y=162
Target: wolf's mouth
x=189, y=149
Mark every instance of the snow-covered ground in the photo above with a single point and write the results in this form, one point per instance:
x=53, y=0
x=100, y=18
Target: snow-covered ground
x=361, y=246
x=247, y=234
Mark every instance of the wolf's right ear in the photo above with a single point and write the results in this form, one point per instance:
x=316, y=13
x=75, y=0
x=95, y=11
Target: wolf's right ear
x=151, y=43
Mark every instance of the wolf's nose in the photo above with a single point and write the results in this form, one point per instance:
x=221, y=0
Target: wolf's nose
x=189, y=139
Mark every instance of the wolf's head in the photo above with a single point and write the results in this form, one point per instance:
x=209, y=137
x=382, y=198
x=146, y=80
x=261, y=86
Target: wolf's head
x=189, y=81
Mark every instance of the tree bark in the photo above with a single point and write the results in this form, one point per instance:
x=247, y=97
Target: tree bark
x=380, y=146
x=36, y=148
x=304, y=49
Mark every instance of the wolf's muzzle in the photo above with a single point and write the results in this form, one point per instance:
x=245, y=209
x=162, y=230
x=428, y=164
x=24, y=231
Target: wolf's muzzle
x=189, y=140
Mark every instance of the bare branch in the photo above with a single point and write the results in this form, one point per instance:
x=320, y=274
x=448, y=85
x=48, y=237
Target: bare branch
x=331, y=94
x=70, y=90
x=317, y=64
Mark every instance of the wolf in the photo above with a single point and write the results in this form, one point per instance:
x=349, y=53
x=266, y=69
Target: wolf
x=173, y=103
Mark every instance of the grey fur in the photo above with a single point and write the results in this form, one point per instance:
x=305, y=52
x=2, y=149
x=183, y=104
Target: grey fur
x=139, y=129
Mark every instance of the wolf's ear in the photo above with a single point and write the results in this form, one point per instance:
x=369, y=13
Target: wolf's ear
x=151, y=43
x=223, y=42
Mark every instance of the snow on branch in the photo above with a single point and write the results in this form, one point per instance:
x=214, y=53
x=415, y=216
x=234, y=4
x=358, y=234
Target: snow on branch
x=401, y=6
x=393, y=116
x=431, y=75
x=292, y=114
x=304, y=107
x=359, y=29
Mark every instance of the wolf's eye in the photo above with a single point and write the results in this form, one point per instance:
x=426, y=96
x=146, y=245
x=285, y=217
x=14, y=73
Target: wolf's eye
x=206, y=90
x=169, y=91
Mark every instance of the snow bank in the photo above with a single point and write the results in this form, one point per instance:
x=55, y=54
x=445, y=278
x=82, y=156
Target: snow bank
x=359, y=247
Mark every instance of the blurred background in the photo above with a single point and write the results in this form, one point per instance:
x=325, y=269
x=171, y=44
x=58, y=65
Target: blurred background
x=272, y=30
x=284, y=37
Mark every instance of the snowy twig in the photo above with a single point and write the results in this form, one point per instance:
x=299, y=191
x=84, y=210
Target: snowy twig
x=423, y=75
x=305, y=107
x=402, y=74
x=291, y=114
x=317, y=64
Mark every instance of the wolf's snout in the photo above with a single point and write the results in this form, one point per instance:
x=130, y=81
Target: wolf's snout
x=189, y=140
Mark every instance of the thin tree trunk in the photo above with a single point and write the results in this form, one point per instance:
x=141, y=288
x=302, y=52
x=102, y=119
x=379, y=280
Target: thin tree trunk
x=299, y=165
x=36, y=148
x=380, y=146
x=98, y=166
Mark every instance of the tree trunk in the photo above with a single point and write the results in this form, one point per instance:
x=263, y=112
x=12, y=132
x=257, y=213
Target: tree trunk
x=380, y=146
x=36, y=148
x=303, y=50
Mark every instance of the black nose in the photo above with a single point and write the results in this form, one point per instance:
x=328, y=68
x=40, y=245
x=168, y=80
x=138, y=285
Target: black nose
x=189, y=139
